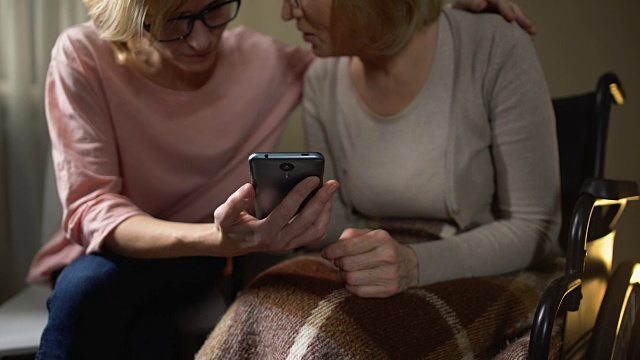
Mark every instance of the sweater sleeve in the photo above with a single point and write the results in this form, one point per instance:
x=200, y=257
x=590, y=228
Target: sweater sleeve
x=84, y=149
x=525, y=160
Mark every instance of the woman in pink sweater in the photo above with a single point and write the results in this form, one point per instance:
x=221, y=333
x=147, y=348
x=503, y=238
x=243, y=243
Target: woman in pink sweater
x=153, y=108
x=148, y=143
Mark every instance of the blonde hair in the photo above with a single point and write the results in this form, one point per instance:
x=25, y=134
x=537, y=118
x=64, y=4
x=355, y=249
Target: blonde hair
x=386, y=26
x=121, y=22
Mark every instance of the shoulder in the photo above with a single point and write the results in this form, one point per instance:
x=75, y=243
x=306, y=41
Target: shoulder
x=243, y=38
x=487, y=48
x=324, y=85
x=248, y=44
x=80, y=45
x=325, y=71
x=484, y=31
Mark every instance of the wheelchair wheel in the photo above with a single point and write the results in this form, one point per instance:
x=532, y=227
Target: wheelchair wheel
x=617, y=328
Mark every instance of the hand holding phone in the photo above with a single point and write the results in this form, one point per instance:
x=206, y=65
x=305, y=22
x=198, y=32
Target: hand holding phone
x=274, y=174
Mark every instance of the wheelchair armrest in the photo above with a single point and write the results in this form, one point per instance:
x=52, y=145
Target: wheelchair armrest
x=598, y=192
x=548, y=308
x=610, y=189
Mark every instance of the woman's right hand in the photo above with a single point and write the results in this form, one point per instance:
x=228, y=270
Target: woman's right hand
x=242, y=233
x=372, y=263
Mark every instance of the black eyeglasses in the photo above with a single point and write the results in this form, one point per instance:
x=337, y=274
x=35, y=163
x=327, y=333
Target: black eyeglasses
x=178, y=28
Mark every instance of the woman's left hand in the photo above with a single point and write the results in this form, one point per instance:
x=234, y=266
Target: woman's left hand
x=372, y=263
x=507, y=8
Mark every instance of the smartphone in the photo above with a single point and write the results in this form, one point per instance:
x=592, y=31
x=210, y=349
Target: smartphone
x=274, y=174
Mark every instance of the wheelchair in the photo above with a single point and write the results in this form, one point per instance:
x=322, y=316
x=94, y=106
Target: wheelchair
x=599, y=310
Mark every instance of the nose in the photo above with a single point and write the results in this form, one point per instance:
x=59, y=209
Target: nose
x=289, y=12
x=201, y=36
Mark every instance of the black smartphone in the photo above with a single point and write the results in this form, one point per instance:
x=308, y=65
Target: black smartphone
x=274, y=174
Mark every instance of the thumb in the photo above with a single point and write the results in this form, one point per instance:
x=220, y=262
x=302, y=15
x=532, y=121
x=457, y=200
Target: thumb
x=352, y=233
x=228, y=213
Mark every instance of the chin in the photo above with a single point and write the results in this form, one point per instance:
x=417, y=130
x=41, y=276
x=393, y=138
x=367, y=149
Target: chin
x=197, y=66
x=322, y=52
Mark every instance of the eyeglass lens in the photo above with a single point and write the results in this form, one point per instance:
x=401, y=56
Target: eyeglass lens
x=217, y=15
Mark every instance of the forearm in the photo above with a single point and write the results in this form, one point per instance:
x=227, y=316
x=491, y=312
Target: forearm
x=495, y=248
x=147, y=237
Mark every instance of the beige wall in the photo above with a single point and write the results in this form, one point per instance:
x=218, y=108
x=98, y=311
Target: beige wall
x=264, y=15
x=578, y=41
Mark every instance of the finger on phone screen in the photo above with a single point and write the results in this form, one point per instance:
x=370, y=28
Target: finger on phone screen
x=309, y=226
x=287, y=209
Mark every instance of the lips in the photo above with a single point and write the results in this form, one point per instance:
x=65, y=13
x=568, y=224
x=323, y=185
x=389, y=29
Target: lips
x=310, y=37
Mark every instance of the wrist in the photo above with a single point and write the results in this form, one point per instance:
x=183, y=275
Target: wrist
x=228, y=244
x=413, y=267
x=201, y=240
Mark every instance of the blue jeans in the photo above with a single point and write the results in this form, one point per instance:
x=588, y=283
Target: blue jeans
x=106, y=306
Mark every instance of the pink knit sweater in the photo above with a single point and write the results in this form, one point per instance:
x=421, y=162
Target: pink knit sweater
x=122, y=145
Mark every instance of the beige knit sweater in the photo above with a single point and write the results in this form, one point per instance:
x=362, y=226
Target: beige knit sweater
x=483, y=157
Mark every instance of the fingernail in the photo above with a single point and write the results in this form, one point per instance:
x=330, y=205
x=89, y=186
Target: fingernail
x=245, y=193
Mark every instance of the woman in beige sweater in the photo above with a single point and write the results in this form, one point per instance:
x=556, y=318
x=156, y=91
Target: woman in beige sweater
x=429, y=116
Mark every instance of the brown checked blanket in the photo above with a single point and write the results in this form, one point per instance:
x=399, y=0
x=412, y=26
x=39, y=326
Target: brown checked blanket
x=300, y=309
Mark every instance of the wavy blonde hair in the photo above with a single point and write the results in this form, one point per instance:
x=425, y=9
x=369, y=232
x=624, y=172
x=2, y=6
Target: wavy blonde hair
x=386, y=26
x=121, y=22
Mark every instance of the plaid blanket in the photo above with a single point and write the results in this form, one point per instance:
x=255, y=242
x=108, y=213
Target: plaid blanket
x=299, y=309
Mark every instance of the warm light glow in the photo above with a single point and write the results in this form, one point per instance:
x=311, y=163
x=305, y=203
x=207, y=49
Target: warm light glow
x=635, y=277
x=607, y=202
x=616, y=93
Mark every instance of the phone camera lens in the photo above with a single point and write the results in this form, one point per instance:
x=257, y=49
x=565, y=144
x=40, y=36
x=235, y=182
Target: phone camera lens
x=286, y=166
